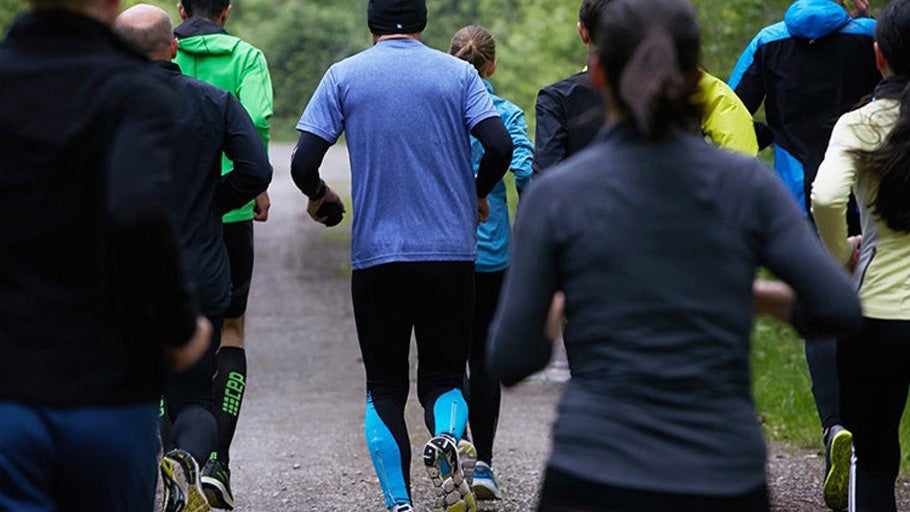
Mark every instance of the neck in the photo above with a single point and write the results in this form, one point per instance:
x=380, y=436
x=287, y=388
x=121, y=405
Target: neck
x=387, y=37
x=206, y=18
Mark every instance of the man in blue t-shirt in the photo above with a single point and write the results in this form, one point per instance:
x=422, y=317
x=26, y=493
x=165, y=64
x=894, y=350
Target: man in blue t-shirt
x=408, y=112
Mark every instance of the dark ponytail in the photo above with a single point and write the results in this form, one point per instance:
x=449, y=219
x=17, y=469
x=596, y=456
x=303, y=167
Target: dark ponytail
x=890, y=162
x=649, y=51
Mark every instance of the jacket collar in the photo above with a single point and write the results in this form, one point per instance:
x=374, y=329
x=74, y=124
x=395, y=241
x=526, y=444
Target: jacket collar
x=198, y=27
x=170, y=67
x=891, y=88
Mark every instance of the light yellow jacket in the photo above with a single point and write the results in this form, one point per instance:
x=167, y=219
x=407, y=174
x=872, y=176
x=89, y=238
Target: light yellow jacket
x=883, y=273
x=725, y=119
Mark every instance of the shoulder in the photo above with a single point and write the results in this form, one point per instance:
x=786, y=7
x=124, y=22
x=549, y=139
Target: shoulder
x=867, y=126
x=860, y=26
x=771, y=34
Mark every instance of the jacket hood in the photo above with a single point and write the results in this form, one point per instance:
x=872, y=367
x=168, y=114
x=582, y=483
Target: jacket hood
x=213, y=44
x=812, y=19
x=202, y=37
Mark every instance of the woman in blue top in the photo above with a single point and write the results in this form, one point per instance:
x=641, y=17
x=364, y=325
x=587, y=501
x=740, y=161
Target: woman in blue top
x=476, y=45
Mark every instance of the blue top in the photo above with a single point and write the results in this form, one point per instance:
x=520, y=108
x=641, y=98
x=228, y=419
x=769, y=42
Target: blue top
x=493, y=235
x=407, y=111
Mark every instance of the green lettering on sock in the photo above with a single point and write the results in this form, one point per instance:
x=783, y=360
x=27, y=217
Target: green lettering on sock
x=233, y=394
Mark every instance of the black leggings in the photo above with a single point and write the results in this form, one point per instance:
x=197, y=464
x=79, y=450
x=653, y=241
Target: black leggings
x=435, y=300
x=565, y=493
x=483, y=391
x=874, y=369
x=188, y=397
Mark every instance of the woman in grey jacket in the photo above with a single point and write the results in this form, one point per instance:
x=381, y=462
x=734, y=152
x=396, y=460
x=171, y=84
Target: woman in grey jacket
x=654, y=237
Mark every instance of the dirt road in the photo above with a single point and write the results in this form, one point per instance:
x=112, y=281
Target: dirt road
x=300, y=443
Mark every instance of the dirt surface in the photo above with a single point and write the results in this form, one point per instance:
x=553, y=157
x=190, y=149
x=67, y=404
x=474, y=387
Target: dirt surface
x=300, y=443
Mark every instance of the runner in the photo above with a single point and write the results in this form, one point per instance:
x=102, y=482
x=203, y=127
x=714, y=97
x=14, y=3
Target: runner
x=808, y=70
x=207, y=52
x=870, y=154
x=655, y=237
x=416, y=205
x=92, y=296
x=571, y=112
x=476, y=45
x=212, y=122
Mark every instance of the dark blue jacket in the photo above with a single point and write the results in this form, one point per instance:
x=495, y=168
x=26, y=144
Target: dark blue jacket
x=809, y=69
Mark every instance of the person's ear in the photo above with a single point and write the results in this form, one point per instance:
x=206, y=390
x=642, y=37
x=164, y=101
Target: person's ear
x=583, y=32
x=880, y=61
x=596, y=72
x=181, y=11
x=491, y=68
x=222, y=20
x=173, y=48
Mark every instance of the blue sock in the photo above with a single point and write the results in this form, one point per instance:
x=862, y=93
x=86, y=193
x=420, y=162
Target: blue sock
x=386, y=455
x=450, y=414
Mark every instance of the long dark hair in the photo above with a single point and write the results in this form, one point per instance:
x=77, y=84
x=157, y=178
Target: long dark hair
x=890, y=162
x=649, y=50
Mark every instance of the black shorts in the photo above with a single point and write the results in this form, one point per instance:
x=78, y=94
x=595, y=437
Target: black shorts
x=238, y=239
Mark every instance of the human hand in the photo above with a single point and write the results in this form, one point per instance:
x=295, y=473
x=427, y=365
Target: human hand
x=556, y=317
x=860, y=10
x=326, y=209
x=181, y=358
x=261, y=208
x=483, y=209
x=856, y=242
x=773, y=298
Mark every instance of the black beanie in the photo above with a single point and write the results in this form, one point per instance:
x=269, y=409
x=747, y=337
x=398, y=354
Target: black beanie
x=397, y=16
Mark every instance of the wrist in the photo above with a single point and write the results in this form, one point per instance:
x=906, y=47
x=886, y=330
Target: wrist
x=320, y=192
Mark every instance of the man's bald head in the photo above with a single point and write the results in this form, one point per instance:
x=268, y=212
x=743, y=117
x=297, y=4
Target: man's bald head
x=148, y=29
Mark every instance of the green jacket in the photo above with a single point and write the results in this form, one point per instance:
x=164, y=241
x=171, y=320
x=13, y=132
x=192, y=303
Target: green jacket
x=208, y=53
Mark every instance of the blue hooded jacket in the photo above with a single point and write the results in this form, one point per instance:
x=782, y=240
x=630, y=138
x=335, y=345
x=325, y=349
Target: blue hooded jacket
x=808, y=70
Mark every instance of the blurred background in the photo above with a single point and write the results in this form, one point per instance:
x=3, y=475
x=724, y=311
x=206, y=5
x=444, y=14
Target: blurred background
x=537, y=41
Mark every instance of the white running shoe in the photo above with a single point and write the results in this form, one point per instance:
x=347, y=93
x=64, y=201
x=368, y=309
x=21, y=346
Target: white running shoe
x=440, y=456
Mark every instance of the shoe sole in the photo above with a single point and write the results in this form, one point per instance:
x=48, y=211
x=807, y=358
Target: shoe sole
x=467, y=456
x=484, y=491
x=452, y=492
x=217, y=494
x=837, y=480
x=174, y=498
x=195, y=500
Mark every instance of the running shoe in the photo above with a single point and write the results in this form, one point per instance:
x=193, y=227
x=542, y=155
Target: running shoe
x=401, y=508
x=216, y=482
x=440, y=456
x=485, y=487
x=838, y=450
x=182, y=492
x=467, y=455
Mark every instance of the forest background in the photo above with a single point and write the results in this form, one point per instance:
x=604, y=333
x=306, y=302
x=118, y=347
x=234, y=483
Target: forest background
x=537, y=44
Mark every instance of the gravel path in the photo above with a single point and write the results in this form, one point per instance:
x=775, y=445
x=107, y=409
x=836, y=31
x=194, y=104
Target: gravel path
x=300, y=444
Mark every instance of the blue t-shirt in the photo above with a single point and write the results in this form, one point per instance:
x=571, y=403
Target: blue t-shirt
x=493, y=235
x=407, y=112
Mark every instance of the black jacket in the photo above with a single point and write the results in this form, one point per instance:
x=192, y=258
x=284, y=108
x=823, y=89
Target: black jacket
x=569, y=115
x=91, y=287
x=212, y=121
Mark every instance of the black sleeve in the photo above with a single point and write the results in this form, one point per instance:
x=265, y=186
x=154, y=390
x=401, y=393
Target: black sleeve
x=552, y=134
x=140, y=196
x=305, y=162
x=827, y=300
x=518, y=346
x=252, y=172
x=764, y=135
x=497, y=153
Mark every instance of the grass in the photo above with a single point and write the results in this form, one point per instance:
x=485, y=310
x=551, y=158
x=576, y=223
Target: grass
x=783, y=390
